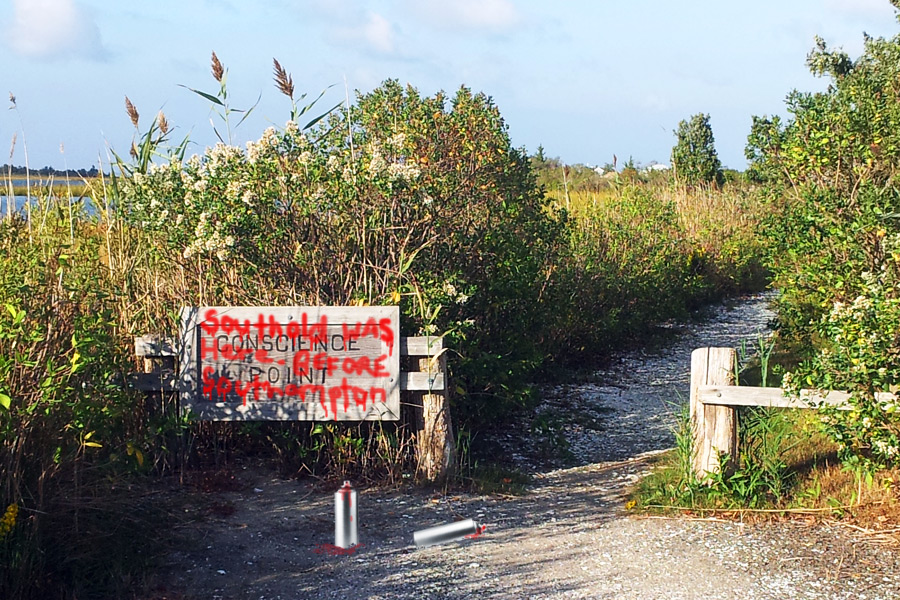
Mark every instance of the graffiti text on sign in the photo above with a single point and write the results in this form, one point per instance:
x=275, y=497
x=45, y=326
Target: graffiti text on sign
x=304, y=360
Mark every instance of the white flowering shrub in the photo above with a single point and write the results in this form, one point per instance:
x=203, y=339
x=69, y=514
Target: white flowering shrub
x=416, y=200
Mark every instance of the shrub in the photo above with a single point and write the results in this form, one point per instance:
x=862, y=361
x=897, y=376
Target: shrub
x=830, y=174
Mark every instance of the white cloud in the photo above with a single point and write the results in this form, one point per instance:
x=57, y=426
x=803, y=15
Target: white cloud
x=379, y=33
x=376, y=33
x=53, y=29
x=492, y=15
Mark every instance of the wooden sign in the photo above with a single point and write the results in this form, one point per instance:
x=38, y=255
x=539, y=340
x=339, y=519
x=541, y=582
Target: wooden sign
x=291, y=363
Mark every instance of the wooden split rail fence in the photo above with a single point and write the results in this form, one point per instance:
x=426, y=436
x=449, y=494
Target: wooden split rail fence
x=423, y=384
x=714, y=400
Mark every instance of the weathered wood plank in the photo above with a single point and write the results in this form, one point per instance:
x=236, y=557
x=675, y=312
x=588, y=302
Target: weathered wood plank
x=154, y=345
x=318, y=362
x=714, y=427
x=421, y=346
x=774, y=397
x=436, y=448
x=422, y=382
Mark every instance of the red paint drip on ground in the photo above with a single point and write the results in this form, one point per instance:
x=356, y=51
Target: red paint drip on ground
x=481, y=529
x=332, y=550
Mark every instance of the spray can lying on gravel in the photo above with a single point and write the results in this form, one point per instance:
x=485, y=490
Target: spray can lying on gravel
x=446, y=533
x=345, y=513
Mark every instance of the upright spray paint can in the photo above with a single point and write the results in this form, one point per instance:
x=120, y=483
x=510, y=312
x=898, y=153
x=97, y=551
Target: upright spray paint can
x=345, y=513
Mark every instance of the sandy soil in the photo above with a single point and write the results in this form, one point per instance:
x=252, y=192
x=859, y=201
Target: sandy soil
x=569, y=536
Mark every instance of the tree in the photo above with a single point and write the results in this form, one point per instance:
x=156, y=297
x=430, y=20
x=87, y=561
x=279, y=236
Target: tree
x=694, y=158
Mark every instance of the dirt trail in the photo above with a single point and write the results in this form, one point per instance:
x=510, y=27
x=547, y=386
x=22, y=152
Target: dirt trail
x=569, y=536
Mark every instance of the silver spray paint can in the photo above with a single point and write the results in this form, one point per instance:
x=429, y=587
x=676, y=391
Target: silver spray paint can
x=345, y=513
x=446, y=533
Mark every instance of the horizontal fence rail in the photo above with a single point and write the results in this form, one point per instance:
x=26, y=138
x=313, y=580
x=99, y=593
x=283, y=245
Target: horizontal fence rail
x=714, y=399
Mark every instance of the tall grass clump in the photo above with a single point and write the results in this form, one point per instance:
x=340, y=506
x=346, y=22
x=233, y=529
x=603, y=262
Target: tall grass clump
x=640, y=253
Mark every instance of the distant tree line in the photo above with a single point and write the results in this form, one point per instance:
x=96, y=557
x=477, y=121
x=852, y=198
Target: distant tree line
x=50, y=171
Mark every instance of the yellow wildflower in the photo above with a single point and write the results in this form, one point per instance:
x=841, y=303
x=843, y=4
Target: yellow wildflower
x=9, y=520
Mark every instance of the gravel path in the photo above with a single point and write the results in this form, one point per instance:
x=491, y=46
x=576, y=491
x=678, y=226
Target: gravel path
x=567, y=537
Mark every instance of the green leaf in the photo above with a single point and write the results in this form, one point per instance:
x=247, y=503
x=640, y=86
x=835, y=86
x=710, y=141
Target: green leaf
x=5, y=401
x=209, y=97
x=322, y=116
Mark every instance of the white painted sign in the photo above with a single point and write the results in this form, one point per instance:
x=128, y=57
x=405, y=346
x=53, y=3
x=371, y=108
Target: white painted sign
x=291, y=363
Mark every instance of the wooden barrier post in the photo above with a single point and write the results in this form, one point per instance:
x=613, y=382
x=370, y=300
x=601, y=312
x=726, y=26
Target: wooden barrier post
x=714, y=427
x=158, y=354
x=435, y=445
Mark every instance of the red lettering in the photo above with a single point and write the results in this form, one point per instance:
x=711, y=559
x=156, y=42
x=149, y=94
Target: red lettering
x=228, y=325
x=262, y=356
x=243, y=390
x=316, y=334
x=274, y=327
x=379, y=370
x=359, y=397
x=301, y=363
x=209, y=382
x=293, y=330
x=378, y=392
x=223, y=387
x=291, y=390
x=336, y=393
x=371, y=328
x=260, y=325
x=350, y=334
x=349, y=365
x=387, y=334
x=204, y=348
x=324, y=362
x=210, y=323
x=271, y=390
x=314, y=389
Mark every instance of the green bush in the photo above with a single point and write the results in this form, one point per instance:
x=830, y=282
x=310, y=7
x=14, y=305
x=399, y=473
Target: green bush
x=830, y=173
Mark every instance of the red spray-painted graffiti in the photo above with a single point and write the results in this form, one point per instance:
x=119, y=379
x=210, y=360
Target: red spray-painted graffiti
x=342, y=365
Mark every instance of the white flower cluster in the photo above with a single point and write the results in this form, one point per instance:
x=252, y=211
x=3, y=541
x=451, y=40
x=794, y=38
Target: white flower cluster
x=209, y=239
x=396, y=170
x=403, y=171
x=452, y=292
x=220, y=156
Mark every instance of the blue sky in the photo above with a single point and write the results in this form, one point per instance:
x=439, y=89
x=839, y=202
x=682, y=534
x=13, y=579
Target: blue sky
x=585, y=79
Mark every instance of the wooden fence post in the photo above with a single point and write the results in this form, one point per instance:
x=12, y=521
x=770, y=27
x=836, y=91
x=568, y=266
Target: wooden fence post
x=435, y=445
x=158, y=354
x=714, y=427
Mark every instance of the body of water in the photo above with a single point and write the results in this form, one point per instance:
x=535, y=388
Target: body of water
x=19, y=205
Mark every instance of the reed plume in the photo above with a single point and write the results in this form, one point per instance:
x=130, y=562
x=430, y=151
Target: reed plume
x=283, y=80
x=132, y=112
x=218, y=71
x=163, y=123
